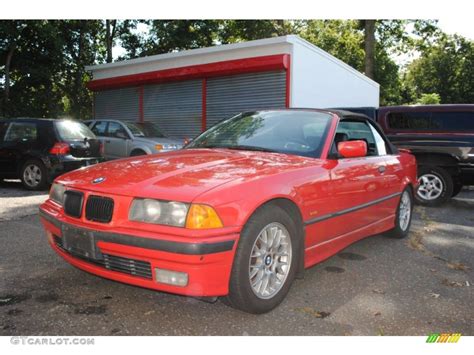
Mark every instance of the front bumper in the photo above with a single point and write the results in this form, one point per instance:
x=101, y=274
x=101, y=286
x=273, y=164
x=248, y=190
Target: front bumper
x=132, y=259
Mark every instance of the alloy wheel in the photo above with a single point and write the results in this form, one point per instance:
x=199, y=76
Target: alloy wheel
x=270, y=260
x=32, y=175
x=431, y=187
x=405, y=211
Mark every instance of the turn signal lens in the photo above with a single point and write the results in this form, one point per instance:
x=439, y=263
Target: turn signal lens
x=159, y=146
x=202, y=217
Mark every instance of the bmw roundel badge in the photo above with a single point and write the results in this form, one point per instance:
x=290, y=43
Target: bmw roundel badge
x=98, y=180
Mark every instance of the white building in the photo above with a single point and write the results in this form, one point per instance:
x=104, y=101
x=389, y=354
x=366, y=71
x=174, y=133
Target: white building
x=189, y=91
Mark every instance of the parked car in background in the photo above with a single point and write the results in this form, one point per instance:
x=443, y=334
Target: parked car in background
x=442, y=139
x=38, y=150
x=240, y=211
x=130, y=138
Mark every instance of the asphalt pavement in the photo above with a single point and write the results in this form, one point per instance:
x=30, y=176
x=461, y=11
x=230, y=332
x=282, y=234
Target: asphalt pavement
x=378, y=286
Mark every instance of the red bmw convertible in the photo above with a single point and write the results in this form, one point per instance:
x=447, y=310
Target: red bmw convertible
x=240, y=211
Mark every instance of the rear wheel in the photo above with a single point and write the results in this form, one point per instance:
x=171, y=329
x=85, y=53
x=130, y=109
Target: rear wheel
x=265, y=262
x=403, y=216
x=33, y=175
x=436, y=186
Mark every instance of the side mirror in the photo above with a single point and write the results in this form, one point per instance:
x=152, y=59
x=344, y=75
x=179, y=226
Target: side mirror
x=352, y=149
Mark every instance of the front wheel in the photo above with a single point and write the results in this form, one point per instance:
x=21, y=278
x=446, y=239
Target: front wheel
x=137, y=152
x=403, y=216
x=265, y=262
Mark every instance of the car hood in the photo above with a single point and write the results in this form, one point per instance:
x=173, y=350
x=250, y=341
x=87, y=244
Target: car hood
x=181, y=175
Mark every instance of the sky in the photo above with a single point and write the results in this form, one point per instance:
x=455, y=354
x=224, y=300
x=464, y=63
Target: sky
x=460, y=26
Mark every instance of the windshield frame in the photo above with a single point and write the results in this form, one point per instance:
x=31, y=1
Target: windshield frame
x=316, y=153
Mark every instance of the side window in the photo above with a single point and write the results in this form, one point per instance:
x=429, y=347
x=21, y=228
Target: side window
x=409, y=120
x=116, y=130
x=379, y=141
x=21, y=132
x=452, y=121
x=432, y=121
x=99, y=128
x=357, y=130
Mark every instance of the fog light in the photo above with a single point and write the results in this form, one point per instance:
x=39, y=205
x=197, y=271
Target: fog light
x=169, y=277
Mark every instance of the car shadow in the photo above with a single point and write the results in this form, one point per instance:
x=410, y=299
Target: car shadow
x=14, y=188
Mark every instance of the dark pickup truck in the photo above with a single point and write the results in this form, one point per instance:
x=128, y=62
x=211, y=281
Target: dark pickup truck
x=442, y=139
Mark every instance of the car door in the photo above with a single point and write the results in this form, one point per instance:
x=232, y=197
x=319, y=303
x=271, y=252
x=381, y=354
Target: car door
x=21, y=137
x=359, y=185
x=99, y=128
x=116, y=141
x=5, y=156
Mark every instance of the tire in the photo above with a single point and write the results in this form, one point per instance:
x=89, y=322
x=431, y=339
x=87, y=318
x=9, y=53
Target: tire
x=436, y=186
x=457, y=188
x=33, y=175
x=137, y=152
x=403, y=216
x=247, y=270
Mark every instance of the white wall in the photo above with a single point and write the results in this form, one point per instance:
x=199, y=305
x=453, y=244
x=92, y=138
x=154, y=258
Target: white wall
x=318, y=80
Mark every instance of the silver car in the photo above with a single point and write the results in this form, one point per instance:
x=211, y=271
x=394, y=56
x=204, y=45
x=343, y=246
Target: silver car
x=129, y=138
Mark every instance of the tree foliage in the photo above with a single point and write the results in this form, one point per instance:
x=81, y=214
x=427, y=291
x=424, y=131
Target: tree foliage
x=446, y=69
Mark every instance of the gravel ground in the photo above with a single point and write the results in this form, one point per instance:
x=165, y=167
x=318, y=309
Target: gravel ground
x=378, y=286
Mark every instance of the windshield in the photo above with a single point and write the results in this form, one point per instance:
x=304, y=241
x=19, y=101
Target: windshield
x=72, y=130
x=290, y=132
x=145, y=129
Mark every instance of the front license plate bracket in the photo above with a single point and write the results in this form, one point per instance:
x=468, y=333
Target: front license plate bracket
x=80, y=242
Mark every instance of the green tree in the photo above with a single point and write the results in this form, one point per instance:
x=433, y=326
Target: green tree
x=30, y=65
x=82, y=44
x=446, y=69
x=173, y=35
x=429, y=99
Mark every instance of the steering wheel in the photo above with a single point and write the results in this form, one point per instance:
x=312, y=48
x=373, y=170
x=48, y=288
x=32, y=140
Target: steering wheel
x=296, y=142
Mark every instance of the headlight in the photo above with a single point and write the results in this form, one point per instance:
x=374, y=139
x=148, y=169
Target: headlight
x=57, y=193
x=167, y=146
x=176, y=214
x=159, y=212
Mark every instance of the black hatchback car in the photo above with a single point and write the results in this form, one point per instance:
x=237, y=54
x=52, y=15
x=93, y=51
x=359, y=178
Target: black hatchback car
x=38, y=150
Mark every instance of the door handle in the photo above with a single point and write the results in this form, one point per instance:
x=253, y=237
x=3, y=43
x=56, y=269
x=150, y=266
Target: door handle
x=381, y=169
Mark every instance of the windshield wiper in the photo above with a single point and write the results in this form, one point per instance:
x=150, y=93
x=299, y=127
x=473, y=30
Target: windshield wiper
x=251, y=148
x=239, y=147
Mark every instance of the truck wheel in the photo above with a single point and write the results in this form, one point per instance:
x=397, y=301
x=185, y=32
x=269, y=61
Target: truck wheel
x=33, y=175
x=265, y=261
x=457, y=188
x=403, y=216
x=436, y=186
